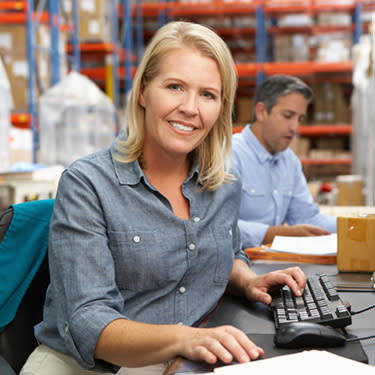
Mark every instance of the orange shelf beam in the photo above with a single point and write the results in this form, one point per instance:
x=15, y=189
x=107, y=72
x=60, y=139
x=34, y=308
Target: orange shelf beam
x=237, y=129
x=317, y=130
x=331, y=161
x=295, y=68
x=21, y=17
x=13, y=5
x=20, y=120
x=311, y=67
x=93, y=47
x=99, y=74
x=212, y=8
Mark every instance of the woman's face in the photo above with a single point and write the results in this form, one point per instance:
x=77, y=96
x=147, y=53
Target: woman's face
x=182, y=103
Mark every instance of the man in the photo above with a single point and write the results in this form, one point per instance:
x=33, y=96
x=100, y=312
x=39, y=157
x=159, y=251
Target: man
x=275, y=191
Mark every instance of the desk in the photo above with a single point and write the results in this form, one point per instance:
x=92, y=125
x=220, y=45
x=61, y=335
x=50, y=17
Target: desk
x=254, y=318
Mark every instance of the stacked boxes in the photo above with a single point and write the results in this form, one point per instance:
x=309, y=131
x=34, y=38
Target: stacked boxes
x=13, y=50
x=94, y=19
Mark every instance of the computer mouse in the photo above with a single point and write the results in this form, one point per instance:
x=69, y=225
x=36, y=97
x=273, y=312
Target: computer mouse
x=306, y=334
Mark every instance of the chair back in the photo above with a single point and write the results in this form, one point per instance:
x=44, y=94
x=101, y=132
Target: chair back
x=24, y=271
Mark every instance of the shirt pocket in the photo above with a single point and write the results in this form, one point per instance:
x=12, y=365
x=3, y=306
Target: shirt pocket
x=286, y=193
x=224, y=253
x=147, y=260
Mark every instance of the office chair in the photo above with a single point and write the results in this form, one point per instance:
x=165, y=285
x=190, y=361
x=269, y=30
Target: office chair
x=24, y=279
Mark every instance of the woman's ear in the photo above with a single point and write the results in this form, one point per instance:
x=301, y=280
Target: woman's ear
x=141, y=98
x=260, y=111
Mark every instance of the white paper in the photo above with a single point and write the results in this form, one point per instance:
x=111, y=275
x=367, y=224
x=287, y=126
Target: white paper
x=307, y=363
x=309, y=245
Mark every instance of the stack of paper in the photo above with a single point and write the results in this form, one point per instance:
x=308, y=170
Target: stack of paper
x=307, y=363
x=310, y=245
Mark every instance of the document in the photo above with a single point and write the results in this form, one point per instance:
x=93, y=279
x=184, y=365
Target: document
x=309, y=245
x=307, y=363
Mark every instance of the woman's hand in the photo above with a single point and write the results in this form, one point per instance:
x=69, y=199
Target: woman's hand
x=223, y=343
x=258, y=287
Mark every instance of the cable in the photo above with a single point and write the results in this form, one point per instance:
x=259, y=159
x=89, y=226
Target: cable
x=363, y=310
x=354, y=339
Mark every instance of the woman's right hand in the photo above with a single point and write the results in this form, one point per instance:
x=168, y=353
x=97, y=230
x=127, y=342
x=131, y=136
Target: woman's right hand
x=224, y=343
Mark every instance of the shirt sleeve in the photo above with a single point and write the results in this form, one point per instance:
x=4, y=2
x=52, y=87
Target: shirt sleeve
x=302, y=208
x=252, y=233
x=82, y=269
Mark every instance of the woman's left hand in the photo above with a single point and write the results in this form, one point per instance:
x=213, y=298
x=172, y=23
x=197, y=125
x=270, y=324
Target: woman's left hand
x=258, y=287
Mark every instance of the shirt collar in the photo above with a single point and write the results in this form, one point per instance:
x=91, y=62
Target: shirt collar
x=131, y=173
x=260, y=152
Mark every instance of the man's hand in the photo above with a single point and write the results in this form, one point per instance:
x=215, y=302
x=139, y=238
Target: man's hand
x=298, y=230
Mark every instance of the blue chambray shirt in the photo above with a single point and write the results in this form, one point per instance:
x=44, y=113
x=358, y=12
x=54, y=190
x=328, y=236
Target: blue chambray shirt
x=274, y=190
x=117, y=250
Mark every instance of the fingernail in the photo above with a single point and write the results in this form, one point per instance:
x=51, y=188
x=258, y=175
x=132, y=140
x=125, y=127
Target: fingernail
x=244, y=358
x=254, y=353
x=227, y=357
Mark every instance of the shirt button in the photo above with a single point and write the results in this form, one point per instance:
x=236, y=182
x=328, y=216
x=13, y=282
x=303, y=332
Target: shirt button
x=290, y=193
x=275, y=191
x=230, y=232
x=66, y=329
x=197, y=219
x=182, y=290
x=253, y=190
x=191, y=247
x=180, y=323
x=136, y=239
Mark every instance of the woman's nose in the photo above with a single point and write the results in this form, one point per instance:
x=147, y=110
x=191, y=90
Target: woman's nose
x=189, y=104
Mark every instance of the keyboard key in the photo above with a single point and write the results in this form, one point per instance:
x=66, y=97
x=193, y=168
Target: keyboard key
x=320, y=303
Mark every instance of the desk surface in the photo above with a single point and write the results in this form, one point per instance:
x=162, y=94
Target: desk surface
x=254, y=318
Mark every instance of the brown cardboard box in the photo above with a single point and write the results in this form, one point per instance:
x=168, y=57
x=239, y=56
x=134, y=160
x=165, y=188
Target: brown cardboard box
x=350, y=190
x=94, y=19
x=13, y=50
x=356, y=243
x=244, y=111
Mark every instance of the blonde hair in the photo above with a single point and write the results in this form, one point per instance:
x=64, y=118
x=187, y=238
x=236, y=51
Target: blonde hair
x=214, y=163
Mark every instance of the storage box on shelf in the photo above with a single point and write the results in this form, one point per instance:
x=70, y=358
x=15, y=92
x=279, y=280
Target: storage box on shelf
x=13, y=49
x=94, y=19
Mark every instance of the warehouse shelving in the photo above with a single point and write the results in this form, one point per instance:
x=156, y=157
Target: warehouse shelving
x=253, y=72
x=21, y=12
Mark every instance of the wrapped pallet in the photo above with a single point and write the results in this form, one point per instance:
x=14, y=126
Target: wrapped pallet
x=75, y=118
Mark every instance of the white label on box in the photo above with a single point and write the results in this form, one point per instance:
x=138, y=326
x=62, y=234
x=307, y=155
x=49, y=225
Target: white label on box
x=20, y=68
x=94, y=27
x=6, y=40
x=21, y=139
x=88, y=6
x=43, y=67
x=67, y=6
x=44, y=36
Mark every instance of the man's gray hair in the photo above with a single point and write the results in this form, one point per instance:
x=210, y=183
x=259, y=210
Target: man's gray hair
x=274, y=87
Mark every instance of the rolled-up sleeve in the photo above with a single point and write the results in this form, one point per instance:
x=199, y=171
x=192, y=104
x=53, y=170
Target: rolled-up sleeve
x=82, y=268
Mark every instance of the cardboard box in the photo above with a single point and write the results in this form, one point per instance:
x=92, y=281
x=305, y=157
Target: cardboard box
x=356, y=243
x=350, y=190
x=244, y=111
x=94, y=19
x=13, y=50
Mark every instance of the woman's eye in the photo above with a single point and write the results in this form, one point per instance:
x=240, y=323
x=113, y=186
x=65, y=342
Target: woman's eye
x=209, y=95
x=174, y=86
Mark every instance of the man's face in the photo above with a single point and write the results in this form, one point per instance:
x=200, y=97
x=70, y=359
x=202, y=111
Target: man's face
x=280, y=125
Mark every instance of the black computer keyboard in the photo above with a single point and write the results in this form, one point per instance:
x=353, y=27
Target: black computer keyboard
x=319, y=303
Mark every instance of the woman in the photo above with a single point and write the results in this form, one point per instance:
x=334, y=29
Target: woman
x=144, y=238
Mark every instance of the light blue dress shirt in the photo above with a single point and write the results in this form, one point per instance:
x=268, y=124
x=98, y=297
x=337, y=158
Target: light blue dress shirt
x=117, y=250
x=274, y=190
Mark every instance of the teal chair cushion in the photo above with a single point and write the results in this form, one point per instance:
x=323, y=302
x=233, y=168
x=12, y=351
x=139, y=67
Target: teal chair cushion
x=22, y=250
